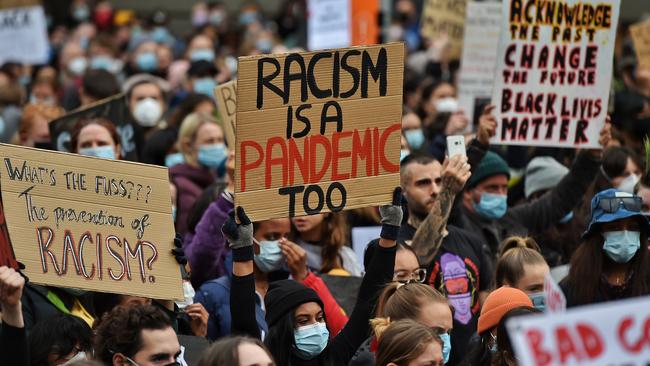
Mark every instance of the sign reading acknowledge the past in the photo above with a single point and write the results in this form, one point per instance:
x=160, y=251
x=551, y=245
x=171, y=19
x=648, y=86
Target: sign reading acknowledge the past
x=607, y=334
x=554, y=67
x=318, y=131
x=226, y=96
x=445, y=18
x=640, y=33
x=90, y=223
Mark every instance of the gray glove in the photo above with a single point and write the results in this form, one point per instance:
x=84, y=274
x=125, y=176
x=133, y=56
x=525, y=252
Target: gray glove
x=391, y=216
x=240, y=236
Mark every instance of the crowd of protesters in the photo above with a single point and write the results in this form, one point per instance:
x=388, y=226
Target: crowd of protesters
x=466, y=244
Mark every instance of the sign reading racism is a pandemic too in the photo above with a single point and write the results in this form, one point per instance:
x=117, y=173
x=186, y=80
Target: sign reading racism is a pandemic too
x=90, y=223
x=553, y=75
x=318, y=131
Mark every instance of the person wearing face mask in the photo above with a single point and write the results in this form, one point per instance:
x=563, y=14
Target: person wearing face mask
x=96, y=137
x=34, y=129
x=273, y=255
x=60, y=340
x=521, y=266
x=500, y=301
x=201, y=141
x=408, y=343
x=412, y=131
x=298, y=334
x=485, y=209
x=144, y=59
x=408, y=301
x=612, y=261
x=201, y=77
x=146, y=98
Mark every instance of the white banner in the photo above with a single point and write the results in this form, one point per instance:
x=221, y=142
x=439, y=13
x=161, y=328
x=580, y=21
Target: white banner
x=23, y=35
x=479, y=58
x=608, y=334
x=554, y=68
x=328, y=24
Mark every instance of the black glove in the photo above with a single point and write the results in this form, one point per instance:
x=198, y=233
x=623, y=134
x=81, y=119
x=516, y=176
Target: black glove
x=391, y=216
x=240, y=236
x=178, y=251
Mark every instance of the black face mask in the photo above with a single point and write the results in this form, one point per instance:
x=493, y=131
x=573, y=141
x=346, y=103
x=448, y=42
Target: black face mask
x=44, y=145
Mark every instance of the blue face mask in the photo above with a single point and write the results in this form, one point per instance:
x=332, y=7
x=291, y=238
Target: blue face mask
x=415, y=138
x=311, y=340
x=147, y=61
x=174, y=159
x=105, y=152
x=492, y=206
x=621, y=246
x=247, y=17
x=212, y=156
x=101, y=63
x=174, y=213
x=161, y=35
x=202, y=54
x=264, y=45
x=270, y=257
x=446, y=347
x=403, y=154
x=567, y=218
x=539, y=300
x=205, y=86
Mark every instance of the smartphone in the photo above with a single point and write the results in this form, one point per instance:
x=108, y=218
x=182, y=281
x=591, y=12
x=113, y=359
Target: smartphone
x=456, y=145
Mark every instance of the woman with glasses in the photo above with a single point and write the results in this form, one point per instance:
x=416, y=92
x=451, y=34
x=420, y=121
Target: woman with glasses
x=407, y=268
x=612, y=261
x=414, y=301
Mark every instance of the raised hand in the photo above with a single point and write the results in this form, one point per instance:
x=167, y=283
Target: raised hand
x=455, y=173
x=11, y=290
x=296, y=258
x=487, y=125
x=198, y=319
x=391, y=216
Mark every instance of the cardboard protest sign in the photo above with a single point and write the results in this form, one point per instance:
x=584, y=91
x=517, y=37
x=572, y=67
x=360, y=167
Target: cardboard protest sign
x=555, y=299
x=89, y=223
x=328, y=24
x=318, y=131
x=479, y=59
x=23, y=32
x=112, y=108
x=612, y=334
x=226, y=96
x=444, y=18
x=554, y=68
x=640, y=33
x=7, y=257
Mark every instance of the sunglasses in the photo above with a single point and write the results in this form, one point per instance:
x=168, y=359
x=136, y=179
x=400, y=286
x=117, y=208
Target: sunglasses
x=613, y=204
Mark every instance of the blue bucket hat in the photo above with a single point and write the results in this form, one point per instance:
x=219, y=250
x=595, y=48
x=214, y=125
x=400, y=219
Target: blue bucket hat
x=611, y=205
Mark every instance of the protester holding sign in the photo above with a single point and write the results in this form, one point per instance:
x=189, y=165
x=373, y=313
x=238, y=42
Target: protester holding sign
x=612, y=261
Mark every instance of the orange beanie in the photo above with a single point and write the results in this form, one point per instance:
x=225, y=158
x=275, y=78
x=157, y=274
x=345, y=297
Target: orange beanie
x=498, y=303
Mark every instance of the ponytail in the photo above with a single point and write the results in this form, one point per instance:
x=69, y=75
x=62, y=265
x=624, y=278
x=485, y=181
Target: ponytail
x=514, y=254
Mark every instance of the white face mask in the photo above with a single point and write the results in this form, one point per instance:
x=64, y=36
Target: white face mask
x=147, y=112
x=448, y=105
x=627, y=184
x=80, y=356
x=78, y=65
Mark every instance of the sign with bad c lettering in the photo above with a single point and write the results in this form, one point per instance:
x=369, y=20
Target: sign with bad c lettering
x=553, y=73
x=607, y=334
x=318, y=131
x=89, y=223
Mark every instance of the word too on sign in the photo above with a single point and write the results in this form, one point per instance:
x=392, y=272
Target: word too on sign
x=318, y=131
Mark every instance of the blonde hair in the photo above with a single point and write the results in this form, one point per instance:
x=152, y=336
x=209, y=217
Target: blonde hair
x=403, y=341
x=189, y=127
x=514, y=254
x=403, y=301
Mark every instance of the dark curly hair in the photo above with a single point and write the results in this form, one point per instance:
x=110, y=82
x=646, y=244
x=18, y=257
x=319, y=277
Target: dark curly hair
x=120, y=331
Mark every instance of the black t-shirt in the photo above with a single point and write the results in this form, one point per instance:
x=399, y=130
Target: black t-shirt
x=461, y=269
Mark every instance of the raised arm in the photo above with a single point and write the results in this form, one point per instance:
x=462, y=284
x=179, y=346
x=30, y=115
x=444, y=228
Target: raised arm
x=13, y=341
x=242, y=290
x=429, y=234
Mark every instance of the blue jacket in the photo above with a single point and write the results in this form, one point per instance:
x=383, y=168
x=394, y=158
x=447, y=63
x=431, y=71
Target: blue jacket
x=215, y=297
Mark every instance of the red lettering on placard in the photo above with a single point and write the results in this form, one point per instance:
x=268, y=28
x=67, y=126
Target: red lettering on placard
x=535, y=339
x=565, y=345
x=591, y=341
x=245, y=165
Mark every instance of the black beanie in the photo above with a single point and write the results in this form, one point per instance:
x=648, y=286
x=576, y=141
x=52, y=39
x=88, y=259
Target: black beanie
x=286, y=295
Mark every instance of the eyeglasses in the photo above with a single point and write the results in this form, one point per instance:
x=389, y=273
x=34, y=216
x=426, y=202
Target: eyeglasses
x=175, y=363
x=419, y=275
x=613, y=204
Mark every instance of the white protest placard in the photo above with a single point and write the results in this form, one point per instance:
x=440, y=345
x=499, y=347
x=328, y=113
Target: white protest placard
x=554, y=68
x=555, y=299
x=479, y=57
x=328, y=24
x=23, y=32
x=607, y=334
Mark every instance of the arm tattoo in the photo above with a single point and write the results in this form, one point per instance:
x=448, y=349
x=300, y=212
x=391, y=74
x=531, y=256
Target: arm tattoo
x=429, y=234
